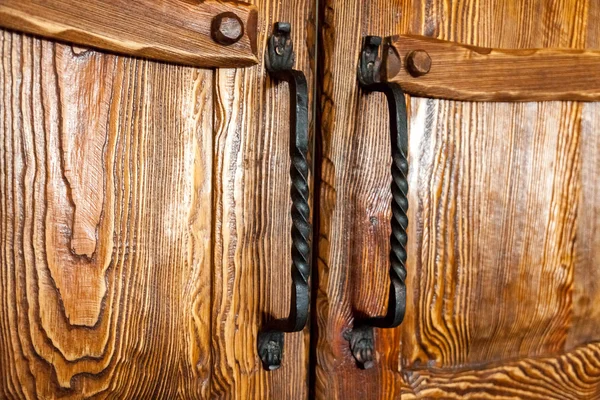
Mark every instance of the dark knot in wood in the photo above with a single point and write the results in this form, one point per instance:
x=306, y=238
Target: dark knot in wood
x=418, y=63
x=227, y=28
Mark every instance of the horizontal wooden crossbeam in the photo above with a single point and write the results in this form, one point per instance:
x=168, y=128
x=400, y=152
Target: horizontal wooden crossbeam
x=429, y=67
x=205, y=34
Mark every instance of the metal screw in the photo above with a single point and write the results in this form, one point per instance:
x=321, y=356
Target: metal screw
x=418, y=63
x=227, y=28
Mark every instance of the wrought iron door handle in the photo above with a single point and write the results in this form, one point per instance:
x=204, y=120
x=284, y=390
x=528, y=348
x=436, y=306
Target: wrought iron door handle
x=279, y=61
x=361, y=337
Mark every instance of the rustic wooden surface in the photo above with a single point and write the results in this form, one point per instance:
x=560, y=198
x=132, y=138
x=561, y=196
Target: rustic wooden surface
x=145, y=218
x=252, y=223
x=574, y=375
x=106, y=176
x=354, y=204
x=503, y=234
x=463, y=72
x=168, y=30
x=586, y=292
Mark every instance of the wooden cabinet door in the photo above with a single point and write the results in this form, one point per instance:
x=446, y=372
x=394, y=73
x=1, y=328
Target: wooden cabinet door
x=145, y=219
x=504, y=227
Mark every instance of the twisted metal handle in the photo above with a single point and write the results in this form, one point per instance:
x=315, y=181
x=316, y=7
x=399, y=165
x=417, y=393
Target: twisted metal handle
x=361, y=337
x=279, y=61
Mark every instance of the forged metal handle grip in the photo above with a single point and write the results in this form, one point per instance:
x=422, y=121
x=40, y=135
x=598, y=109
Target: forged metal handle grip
x=279, y=61
x=361, y=337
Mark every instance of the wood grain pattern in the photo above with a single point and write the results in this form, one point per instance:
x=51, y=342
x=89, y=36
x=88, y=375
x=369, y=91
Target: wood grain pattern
x=252, y=222
x=502, y=241
x=168, y=30
x=354, y=204
x=145, y=224
x=464, y=72
x=586, y=291
x=497, y=197
x=106, y=183
x=505, y=239
x=574, y=376
x=490, y=233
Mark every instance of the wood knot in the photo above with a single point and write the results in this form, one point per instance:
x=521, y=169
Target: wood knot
x=227, y=28
x=418, y=63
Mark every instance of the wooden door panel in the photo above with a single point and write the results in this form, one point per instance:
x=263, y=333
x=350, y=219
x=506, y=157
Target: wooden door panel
x=105, y=231
x=145, y=213
x=585, y=323
x=509, y=277
x=494, y=204
x=252, y=223
x=502, y=232
x=354, y=204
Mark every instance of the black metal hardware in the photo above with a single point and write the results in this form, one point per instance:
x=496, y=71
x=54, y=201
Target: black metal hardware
x=361, y=337
x=279, y=61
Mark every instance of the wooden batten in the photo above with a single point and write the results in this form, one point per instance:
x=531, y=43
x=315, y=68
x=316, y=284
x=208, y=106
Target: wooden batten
x=435, y=68
x=178, y=31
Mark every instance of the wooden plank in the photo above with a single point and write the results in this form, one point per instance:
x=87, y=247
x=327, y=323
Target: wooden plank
x=463, y=72
x=252, y=222
x=586, y=290
x=493, y=201
x=497, y=245
x=177, y=31
x=105, y=238
x=573, y=375
x=496, y=209
x=354, y=204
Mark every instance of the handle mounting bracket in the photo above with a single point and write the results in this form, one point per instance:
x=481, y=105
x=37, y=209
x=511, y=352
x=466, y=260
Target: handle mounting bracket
x=369, y=63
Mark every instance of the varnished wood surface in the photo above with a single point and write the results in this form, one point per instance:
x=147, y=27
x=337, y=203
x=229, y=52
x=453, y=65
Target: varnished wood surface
x=106, y=177
x=252, y=222
x=497, y=203
x=586, y=292
x=145, y=218
x=464, y=72
x=574, y=376
x=354, y=205
x=168, y=30
x=503, y=237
